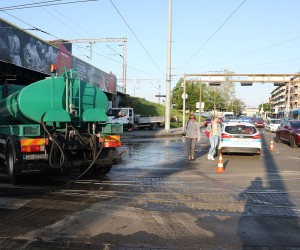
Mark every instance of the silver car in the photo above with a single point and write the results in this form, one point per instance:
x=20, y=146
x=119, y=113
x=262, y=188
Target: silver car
x=272, y=125
x=240, y=137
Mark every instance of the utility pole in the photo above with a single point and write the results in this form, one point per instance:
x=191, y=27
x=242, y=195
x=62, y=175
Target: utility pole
x=200, y=101
x=91, y=41
x=184, y=101
x=168, y=80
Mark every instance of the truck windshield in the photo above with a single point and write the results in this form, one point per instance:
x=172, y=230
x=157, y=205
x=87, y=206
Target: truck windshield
x=117, y=112
x=113, y=112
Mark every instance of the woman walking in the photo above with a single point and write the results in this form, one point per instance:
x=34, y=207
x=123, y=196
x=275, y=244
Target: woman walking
x=192, y=134
x=214, y=128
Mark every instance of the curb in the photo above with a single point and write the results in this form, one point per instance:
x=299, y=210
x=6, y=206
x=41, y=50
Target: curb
x=152, y=133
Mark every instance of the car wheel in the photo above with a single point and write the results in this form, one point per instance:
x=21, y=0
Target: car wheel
x=292, y=141
x=277, y=138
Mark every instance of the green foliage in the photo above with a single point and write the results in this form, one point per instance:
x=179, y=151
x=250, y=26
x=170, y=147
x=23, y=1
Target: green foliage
x=221, y=98
x=143, y=107
x=266, y=107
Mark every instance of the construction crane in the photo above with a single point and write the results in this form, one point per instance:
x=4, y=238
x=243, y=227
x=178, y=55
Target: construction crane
x=91, y=41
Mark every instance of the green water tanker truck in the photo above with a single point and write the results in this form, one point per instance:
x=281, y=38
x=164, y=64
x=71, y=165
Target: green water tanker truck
x=56, y=124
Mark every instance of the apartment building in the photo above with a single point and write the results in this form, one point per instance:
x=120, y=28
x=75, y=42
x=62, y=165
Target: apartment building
x=285, y=98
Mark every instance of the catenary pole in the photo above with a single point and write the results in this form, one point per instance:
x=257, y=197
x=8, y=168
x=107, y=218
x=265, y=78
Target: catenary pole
x=183, y=101
x=168, y=79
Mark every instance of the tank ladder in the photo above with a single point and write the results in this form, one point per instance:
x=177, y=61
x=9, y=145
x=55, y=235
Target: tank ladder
x=73, y=94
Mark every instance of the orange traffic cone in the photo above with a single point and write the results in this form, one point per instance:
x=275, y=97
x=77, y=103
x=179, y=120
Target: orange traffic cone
x=271, y=145
x=220, y=168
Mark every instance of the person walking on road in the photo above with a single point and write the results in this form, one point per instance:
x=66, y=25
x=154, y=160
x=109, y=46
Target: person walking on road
x=214, y=129
x=192, y=134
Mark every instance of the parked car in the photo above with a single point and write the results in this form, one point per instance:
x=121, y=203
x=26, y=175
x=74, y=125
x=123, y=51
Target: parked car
x=207, y=121
x=289, y=131
x=272, y=125
x=259, y=122
x=240, y=138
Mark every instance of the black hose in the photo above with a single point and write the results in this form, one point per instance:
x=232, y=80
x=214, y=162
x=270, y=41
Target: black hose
x=55, y=143
x=81, y=140
x=68, y=183
x=82, y=174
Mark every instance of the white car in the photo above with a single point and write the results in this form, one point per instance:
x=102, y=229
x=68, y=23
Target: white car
x=272, y=125
x=240, y=137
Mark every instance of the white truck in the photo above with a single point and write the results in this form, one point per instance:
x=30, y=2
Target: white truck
x=130, y=120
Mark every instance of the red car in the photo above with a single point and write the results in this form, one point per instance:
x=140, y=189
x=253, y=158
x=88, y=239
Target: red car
x=259, y=122
x=289, y=131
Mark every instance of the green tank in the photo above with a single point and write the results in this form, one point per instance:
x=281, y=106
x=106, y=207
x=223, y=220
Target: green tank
x=55, y=99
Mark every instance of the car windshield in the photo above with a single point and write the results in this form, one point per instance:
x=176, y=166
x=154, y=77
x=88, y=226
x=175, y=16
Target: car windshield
x=237, y=130
x=296, y=124
x=275, y=121
x=260, y=120
x=246, y=119
x=232, y=119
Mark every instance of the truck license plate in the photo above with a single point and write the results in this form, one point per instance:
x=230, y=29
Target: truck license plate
x=34, y=157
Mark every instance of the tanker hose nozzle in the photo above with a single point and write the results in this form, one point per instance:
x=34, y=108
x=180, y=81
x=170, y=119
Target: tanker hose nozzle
x=72, y=109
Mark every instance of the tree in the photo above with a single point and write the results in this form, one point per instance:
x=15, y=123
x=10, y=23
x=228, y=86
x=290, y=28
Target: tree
x=266, y=107
x=220, y=97
x=237, y=106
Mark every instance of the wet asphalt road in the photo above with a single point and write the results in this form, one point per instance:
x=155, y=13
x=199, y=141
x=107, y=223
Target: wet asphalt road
x=156, y=199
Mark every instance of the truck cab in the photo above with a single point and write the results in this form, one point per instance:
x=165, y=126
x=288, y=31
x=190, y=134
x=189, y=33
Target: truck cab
x=123, y=116
x=130, y=120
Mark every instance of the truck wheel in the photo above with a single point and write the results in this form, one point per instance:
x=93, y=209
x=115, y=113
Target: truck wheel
x=11, y=166
x=104, y=170
x=153, y=126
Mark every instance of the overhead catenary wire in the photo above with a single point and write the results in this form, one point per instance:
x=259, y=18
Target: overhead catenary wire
x=56, y=37
x=217, y=30
x=57, y=15
x=256, y=51
x=139, y=41
x=43, y=4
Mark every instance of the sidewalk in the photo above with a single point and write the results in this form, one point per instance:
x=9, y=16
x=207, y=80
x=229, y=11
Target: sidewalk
x=147, y=133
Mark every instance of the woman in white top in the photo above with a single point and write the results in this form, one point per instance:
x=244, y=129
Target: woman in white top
x=214, y=128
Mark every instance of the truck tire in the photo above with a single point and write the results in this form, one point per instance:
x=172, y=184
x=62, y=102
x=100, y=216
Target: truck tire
x=104, y=170
x=11, y=166
x=153, y=126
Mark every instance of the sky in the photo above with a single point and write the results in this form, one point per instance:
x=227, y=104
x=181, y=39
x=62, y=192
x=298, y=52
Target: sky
x=207, y=36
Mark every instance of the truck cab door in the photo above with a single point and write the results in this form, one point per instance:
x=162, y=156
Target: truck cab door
x=130, y=116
